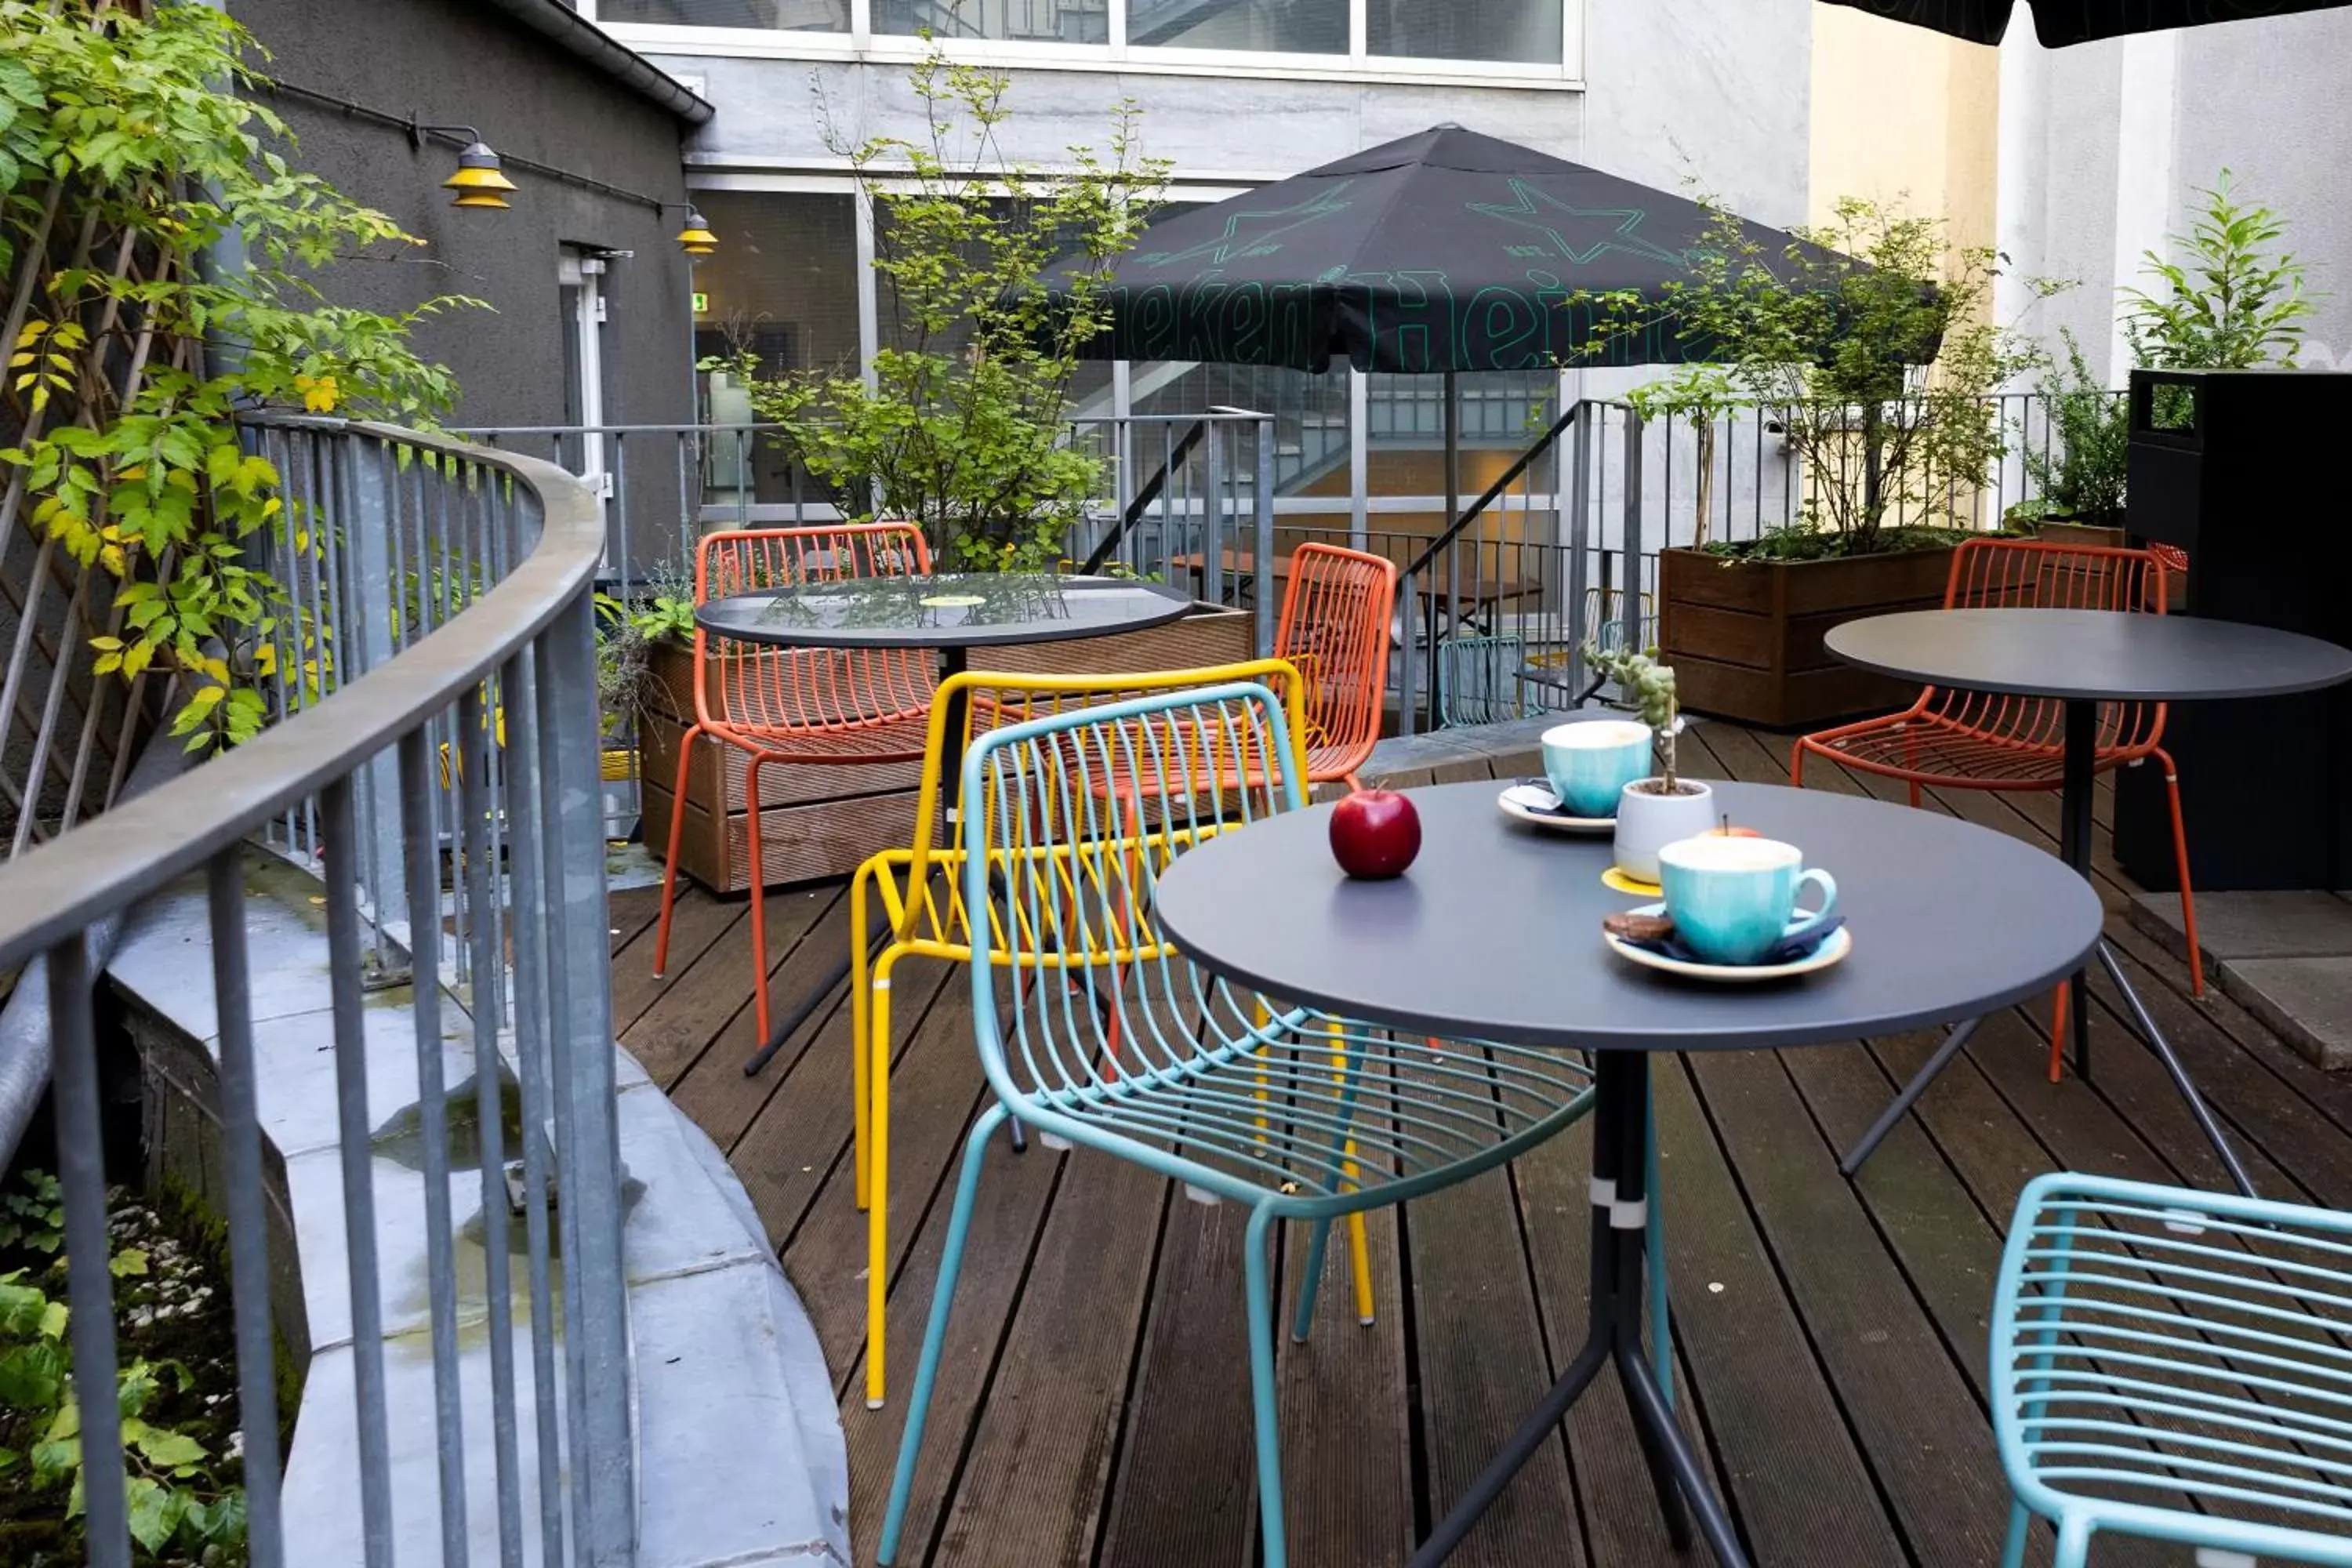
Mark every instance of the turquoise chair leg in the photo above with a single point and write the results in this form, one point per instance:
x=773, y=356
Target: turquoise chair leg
x=2074, y=1544
x=1653, y=1244
x=935, y=1333
x=1261, y=1333
x=2012, y=1552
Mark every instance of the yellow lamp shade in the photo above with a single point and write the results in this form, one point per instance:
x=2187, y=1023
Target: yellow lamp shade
x=478, y=181
x=696, y=239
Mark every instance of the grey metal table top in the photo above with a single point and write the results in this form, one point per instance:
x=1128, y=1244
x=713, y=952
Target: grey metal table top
x=949, y=610
x=1496, y=931
x=2106, y=654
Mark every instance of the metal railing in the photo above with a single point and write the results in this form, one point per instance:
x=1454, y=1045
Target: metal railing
x=446, y=608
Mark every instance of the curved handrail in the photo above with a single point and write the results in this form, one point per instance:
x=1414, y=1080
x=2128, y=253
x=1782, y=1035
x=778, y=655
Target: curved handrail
x=63, y=886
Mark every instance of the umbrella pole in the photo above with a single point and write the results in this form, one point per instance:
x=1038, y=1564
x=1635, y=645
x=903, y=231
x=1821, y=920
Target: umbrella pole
x=1437, y=623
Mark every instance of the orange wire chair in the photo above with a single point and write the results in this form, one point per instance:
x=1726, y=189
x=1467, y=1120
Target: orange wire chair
x=1966, y=740
x=827, y=707
x=1334, y=630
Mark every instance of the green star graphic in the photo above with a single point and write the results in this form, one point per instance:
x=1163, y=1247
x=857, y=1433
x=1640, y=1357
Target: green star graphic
x=1603, y=228
x=1264, y=229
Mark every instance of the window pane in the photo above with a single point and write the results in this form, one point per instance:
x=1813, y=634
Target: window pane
x=1030, y=21
x=1525, y=31
x=783, y=286
x=1287, y=26
x=796, y=16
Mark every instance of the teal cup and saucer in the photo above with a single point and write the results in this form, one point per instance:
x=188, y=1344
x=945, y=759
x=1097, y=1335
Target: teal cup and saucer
x=1589, y=764
x=1734, y=900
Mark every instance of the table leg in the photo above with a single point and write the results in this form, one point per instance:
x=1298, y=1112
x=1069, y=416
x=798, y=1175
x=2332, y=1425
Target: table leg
x=2172, y=1064
x=2074, y=828
x=1620, y=1215
x=1953, y=1042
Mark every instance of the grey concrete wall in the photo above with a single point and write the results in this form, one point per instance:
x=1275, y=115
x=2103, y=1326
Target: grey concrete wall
x=2263, y=98
x=449, y=62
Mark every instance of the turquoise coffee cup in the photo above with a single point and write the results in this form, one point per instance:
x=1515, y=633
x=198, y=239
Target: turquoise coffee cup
x=1733, y=900
x=1589, y=764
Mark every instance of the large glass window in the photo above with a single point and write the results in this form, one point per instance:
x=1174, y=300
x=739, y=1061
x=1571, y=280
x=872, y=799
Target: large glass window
x=1276, y=26
x=783, y=288
x=1027, y=21
x=792, y=15
x=1526, y=31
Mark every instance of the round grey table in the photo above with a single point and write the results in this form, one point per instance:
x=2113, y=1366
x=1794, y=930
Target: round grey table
x=1495, y=934
x=951, y=612
x=2082, y=658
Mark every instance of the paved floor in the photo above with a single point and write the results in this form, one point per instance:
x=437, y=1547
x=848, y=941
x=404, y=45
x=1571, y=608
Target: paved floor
x=2286, y=957
x=1094, y=1410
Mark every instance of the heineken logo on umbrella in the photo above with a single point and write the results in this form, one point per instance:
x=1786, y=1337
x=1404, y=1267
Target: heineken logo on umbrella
x=1581, y=235
x=1252, y=231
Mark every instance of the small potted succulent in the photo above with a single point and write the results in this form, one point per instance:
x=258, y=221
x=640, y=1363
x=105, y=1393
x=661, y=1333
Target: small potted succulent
x=1655, y=812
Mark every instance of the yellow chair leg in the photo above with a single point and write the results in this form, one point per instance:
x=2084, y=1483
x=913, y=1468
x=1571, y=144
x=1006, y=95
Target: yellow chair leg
x=860, y=1094
x=1360, y=1256
x=878, y=1212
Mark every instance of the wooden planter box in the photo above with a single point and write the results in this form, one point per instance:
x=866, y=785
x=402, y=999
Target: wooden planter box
x=819, y=821
x=1744, y=638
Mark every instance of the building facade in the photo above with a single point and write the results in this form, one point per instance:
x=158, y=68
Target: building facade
x=1233, y=93
x=588, y=317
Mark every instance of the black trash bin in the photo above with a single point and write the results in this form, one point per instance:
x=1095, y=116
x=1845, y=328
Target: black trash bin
x=2246, y=471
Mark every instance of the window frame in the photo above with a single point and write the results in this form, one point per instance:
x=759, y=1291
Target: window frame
x=862, y=44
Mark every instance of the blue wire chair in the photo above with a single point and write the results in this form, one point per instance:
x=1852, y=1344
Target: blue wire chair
x=2153, y=1342
x=1125, y=1047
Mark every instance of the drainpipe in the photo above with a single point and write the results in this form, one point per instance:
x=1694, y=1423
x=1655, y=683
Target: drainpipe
x=24, y=1044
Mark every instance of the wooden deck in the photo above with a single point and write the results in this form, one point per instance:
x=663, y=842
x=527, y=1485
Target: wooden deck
x=1093, y=1408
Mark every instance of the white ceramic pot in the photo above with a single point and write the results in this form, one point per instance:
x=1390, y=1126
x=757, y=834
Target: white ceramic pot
x=1647, y=823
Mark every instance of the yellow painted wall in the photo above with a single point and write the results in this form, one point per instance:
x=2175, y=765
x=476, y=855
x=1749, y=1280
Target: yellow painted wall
x=1904, y=111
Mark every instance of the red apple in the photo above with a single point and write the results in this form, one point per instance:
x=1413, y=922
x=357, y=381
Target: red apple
x=1375, y=833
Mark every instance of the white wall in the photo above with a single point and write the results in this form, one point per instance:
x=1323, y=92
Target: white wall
x=2106, y=158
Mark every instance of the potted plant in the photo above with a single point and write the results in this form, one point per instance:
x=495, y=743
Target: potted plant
x=1866, y=346
x=1655, y=812
x=2078, y=467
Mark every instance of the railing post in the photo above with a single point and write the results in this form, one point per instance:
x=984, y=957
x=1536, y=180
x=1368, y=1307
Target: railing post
x=1579, y=533
x=1262, y=544
x=1213, y=515
x=1629, y=597
x=596, y=1338
x=367, y=631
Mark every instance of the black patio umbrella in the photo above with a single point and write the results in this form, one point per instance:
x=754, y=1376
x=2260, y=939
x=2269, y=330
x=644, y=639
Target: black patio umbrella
x=2061, y=22
x=1441, y=252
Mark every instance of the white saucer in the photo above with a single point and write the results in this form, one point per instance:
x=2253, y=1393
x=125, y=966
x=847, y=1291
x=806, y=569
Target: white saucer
x=1534, y=804
x=1831, y=952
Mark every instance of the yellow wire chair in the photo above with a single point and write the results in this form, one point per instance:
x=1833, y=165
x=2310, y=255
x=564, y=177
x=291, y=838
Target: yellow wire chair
x=920, y=892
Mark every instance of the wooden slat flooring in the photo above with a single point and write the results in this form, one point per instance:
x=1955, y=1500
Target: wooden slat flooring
x=1093, y=1408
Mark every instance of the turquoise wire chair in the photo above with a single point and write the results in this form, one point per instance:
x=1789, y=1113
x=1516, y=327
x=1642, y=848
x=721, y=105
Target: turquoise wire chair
x=1130, y=1049
x=2153, y=1342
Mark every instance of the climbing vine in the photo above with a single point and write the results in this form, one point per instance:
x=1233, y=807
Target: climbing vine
x=126, y=155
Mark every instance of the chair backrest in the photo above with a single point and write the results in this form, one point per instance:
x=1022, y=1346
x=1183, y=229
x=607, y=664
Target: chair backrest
x=2021, y=573
x=976, y=702
x=1335, y=628
x=2018, y=574
x=1068, y=880
x=1478, y=680
x=754, y=685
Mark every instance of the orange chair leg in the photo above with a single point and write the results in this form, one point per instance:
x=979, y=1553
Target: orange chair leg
x=2180, y=862
x=759, y=901
x=1797, y=763
x=2058, y=1035
x=677, y=838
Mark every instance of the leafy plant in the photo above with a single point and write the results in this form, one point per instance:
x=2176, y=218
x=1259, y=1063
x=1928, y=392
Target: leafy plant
x=1701, y=396
x=1651, y=685
x=2234, y=300
x=960, y=426
x=33, y=1219
x=1865, y=344
x=127, y=124
x=180, y=1503
x=627, y=632
x=2081, y=471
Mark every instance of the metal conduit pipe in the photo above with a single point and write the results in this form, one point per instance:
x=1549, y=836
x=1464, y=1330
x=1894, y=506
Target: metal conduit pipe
x=25, y=1034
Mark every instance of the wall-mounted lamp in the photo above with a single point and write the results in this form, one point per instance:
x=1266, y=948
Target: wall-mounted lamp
x=478, y=181
x=694, y=238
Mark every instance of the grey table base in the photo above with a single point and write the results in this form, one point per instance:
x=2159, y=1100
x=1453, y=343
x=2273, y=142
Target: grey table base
x=1621, y=1117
